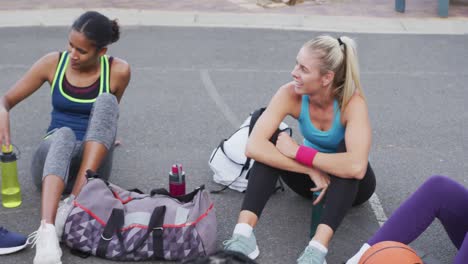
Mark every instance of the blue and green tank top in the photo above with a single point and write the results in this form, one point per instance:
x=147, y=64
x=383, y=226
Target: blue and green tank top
x=72, y=106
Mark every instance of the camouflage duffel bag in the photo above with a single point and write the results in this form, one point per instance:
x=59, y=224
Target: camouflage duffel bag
x=113, y=223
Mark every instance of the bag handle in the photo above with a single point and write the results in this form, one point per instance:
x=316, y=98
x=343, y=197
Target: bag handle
x=221, y=146
x=181, y=198
x=115, y=224
x=253, y=120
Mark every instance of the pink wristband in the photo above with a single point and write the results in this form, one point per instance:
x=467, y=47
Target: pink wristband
x=305, y=155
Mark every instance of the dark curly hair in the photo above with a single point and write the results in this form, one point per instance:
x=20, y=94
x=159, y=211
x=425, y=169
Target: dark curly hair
x=97, y=28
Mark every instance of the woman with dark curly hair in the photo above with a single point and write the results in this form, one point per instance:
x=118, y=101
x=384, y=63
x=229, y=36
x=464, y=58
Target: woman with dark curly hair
x=86, y=86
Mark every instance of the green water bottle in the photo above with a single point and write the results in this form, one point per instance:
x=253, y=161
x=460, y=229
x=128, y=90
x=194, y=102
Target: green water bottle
x=316, y=214
x=11, y=192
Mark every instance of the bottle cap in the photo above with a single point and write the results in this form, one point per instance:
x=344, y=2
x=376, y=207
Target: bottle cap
x=175, y=169
x=7, y=149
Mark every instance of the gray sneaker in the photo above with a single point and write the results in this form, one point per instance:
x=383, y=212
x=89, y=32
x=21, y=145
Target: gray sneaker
x=245, y=245
x=312, y=255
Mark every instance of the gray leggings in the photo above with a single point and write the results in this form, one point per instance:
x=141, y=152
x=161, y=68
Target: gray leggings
x=60, y=153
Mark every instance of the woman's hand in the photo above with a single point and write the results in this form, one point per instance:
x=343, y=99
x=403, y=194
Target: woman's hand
x=321, y=180
x=286, y=145
x=4, y=127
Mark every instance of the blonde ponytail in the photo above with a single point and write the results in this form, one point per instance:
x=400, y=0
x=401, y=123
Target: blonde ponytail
x=340, y=56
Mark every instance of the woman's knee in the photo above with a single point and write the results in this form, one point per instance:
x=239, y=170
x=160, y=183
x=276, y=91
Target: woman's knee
x=64, y=134
x=107, y=100
x=438, y=184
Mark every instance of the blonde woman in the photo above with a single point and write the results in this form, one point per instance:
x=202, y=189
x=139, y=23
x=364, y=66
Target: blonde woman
x=326, y=98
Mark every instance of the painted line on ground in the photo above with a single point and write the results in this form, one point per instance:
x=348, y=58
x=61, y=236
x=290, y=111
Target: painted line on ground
x=214, y=94
x=378, y=209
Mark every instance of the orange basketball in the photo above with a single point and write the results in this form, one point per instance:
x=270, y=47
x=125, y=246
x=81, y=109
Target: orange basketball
x=390, y=252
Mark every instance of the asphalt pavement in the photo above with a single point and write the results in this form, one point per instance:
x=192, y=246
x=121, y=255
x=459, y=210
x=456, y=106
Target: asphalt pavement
x=190, y=88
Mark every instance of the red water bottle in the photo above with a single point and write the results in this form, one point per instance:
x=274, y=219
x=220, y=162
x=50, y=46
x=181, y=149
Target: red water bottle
x=177, y=180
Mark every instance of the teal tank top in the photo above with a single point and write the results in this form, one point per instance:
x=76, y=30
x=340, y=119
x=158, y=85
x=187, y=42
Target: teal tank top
x=323, y=141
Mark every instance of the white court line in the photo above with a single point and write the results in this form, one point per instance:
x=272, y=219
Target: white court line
x=213, y=92
x=378, y=209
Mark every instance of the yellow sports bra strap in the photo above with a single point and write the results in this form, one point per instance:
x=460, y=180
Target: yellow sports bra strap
x=60, y=68
x=104, y=83
x=106, y=59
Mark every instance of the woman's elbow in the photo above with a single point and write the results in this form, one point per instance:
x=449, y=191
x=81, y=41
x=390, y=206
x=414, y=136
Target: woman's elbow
x=249, y=151
x=358, y=170
x=252, y=149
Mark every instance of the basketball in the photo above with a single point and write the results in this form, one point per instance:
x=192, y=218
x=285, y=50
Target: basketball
x=390, y=252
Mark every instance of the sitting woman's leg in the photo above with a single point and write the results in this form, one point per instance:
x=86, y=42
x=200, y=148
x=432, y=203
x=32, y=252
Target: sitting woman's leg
x=439, y=197
x=99, y=139
x=262, y=184
x=60, y=146
x=55, y=170
x=341, y=195
x=462, y=254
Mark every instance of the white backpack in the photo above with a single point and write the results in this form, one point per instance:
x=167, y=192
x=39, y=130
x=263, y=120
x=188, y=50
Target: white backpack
x=228, y=160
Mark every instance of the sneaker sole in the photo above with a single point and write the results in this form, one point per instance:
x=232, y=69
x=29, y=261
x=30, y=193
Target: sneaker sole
x=4, y=251
x=254, y=254
x=45, y=260
x=49, y=262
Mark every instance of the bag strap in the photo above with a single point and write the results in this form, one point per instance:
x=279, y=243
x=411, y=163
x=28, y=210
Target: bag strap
x=136, y=190
x=79, y=253
x=227, y=186
x=115, y=222
x=181, y=198
x=156, y=225
x=221, y=146
x=253, y=119
x=90, y=174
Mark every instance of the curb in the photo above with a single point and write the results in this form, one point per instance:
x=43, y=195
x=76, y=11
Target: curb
x=136, y=17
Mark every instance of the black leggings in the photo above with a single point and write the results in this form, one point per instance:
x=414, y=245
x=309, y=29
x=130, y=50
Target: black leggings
x=341, y=195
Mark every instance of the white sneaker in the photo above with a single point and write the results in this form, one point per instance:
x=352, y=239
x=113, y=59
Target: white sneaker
x=48, y=250
x=63, y=211
x=355, y=259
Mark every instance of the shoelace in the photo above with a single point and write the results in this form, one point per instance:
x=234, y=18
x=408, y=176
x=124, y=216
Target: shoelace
x=309, y=254
x=231, y=241
x=32, y=238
